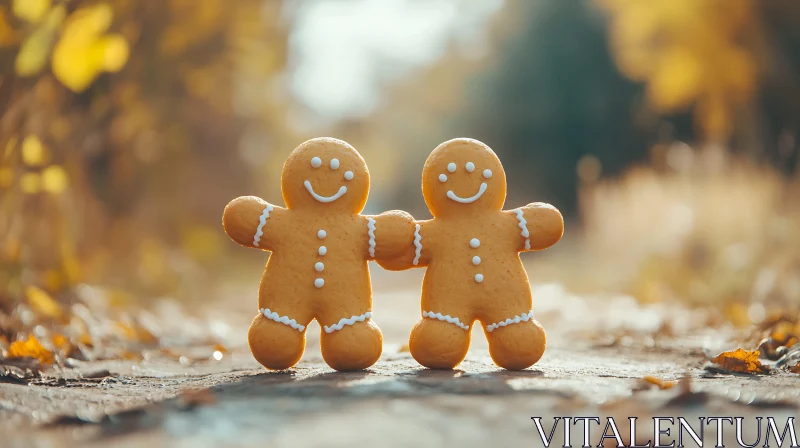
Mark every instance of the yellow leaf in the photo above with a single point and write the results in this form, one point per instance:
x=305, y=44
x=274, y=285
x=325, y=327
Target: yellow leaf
x=83, y=53
x=33, y=152
x=42, y=303
x=33, y=52
x=30, y=183
x=741, y=361
x=115, y=52
x=31, y=10
x=54, y=179
x=30, y=348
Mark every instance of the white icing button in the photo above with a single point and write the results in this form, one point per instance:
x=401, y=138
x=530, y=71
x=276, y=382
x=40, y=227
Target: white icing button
x=321, y=234
x=316, y=162
x=322, y=250
x=319, y=266
x=451, y=167
x=470, y=167
x=474, y=243
x=479, y=278
x=348, y=175
x=335, y=164
x=487, y=173
x=319, y=282
x=476, y=260
x=443, y=178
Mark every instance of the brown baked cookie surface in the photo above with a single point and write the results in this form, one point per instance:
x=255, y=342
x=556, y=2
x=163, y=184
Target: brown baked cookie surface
x=320, y=247
x=471, y=250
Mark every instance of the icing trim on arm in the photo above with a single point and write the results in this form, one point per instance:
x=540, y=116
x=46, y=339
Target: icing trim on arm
x=371, y=232
x=262, y=222
x=524, y=317
x=445, y=318
x=273, y=316
x=523, y=224
x=347, y=321
x=417, y=244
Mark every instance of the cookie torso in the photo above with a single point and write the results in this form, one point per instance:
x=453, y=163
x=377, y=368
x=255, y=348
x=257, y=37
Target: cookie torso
x=319, y=267
x=478, y=257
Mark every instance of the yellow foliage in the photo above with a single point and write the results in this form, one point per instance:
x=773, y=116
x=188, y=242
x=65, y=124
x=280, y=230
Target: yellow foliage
x=34, y=51
x=30, y=10
x=33, y=152
x=54, y=179
x=689, y=52
x=84, y=52
x=741, y=361
x=30, y=348
x=42, y=303
x=202, y=242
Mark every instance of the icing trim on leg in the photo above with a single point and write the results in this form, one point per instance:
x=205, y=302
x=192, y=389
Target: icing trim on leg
x=445, y=318
x=273, y=316
x=262, y=222
x=524, y=317
x=347, y=321
x=371, y=232
x=417, y=244
x=523, y=224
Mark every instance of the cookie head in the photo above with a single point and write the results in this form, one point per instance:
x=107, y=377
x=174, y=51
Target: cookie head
x=463, y=175
x=325, y=174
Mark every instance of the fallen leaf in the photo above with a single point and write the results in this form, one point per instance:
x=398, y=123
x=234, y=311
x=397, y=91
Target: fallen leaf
x=741, y=361
x=662, y=384
x=403, y=349
x=30, y=348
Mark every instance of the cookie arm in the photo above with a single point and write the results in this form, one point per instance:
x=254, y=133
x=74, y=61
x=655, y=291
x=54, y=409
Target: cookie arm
x=398, y=241
x=540, y=226
x=253, y=222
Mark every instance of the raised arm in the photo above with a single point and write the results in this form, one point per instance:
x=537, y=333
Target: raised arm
x=253, y=222
x=396, y=241
x=540, y=226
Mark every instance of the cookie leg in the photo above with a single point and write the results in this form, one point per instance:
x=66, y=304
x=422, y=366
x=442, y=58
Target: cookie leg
x=353, y=343
x=275, y=345
x=516, y=346
x=438, y=344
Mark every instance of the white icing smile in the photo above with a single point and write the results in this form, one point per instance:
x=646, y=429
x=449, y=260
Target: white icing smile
x=469, y=200
x=326, y=199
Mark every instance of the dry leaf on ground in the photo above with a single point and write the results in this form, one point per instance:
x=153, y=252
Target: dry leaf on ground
x=30, y=348
x=741, y=361
x=662, y=384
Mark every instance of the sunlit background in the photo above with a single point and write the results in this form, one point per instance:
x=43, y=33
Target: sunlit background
x=665, y=130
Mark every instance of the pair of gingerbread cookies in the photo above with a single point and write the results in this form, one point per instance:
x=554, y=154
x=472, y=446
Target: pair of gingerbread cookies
x=321, y=245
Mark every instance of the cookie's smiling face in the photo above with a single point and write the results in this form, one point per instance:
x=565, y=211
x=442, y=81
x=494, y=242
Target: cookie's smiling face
x=463, y=175
x=327, y=174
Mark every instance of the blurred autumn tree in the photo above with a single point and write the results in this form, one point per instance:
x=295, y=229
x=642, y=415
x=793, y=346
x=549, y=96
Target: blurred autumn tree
x=121, y=128
x=614, y=79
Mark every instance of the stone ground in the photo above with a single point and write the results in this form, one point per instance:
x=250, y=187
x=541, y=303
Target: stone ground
x=599, y=349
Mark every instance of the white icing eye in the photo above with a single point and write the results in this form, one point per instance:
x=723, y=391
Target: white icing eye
x=470, y=167
x=316, y=162
x=348, y=175
x=334, y=164
x=487, y=173
x=451, y=167
x=443, y=177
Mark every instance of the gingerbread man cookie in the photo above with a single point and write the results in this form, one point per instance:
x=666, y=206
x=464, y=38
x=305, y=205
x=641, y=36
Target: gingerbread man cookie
x=320, y=248
x=471, y=249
